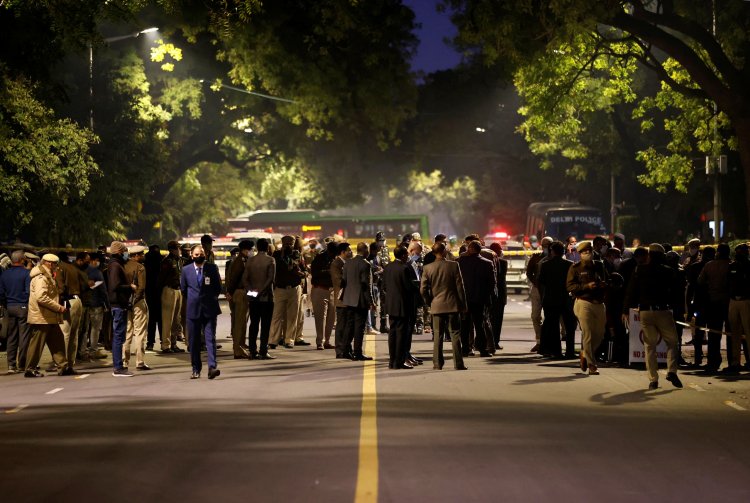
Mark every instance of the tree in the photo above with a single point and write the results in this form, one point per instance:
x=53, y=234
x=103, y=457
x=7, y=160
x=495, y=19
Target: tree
x=698, y=65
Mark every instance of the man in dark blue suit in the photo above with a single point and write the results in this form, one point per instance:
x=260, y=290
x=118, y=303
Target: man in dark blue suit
x=201, y=286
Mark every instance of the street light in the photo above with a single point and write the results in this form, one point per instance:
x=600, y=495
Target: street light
x=91, y=66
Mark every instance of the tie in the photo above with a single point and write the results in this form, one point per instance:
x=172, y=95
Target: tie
x=200, y=276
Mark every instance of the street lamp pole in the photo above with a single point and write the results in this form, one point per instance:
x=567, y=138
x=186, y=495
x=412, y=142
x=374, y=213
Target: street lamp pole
x=91, y=66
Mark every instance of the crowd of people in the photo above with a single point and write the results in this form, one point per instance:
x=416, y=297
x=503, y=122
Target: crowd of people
x=117, y=298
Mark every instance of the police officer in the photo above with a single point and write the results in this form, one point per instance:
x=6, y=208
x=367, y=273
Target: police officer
x=650, y=291
x=587, y=282
x=171, y=299
x=739, y=303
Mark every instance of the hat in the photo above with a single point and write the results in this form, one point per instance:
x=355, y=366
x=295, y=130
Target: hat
x=287, y=240
x=206, y=238
x=117, y=248
x=694, y=241
x=173, y=245
x=741, y=247
x=584, y=246
x=416, y=236
x=135, y=250
x=656, y=248
x=380, y=236
x=185, y=246
x=546, y=240
x=30, y=256
x=48, y=257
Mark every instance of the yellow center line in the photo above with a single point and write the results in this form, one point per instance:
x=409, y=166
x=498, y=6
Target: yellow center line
x=367, y=473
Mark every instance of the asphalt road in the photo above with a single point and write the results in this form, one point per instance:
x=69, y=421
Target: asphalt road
x=307, y=427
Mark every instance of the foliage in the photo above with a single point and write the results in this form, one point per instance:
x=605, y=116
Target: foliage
x=42, y=158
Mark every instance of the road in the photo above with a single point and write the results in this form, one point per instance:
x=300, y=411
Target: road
x=307, y=427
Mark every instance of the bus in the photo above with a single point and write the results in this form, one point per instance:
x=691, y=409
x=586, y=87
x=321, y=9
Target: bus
x=313, y=224
x=562, y=219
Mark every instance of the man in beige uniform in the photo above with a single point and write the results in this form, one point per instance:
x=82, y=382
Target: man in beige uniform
x=171, y=299
x=587, y=282
x=238, y=301
x=135, y=272
x=71, y=281
x=45, y=314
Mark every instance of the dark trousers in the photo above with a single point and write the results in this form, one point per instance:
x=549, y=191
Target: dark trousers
x=260, y=320
x=476, y=318
x=194, y=328
x=383, y=320
x=442, y=325
x=119, y=329
x=397, y=340
x=716, y=317
x=154, y=318
x=343, y=347
x=496, y=318
x=18, y=336
x=549, y=343
x=355, y=328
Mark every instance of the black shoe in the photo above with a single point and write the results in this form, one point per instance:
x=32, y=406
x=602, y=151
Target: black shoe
x=485, y=354
x=149, y=347
x=672, y=377
x=403, y=366
x=288, y=346
x=384, y=330
x=212, y=373
x=195, y=375
x=731, y=370
x=301, y=343
x=272, y=346
x=266, y=356
x=33, y=373
x=166, y=351
x=122, y=373
x=653, y=385
x=253, y=355
x=68, y=371
x=218, y=346
x=344, y=357
x=462, y=367
x=361, y=358
x=143, y=367
x=177, y=350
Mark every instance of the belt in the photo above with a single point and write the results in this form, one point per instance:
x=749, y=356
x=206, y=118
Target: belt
x=654, y=307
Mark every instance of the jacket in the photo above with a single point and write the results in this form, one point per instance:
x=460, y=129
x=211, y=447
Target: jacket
x=118, y=286
x=443, y=288
x=337, y=273
x=201, y=299
x=357, y=283
x=135, y=273
x=44, y=298
x=259, y=276
x=479, y=278
x=233, y=277
x=552, y=281
x=400, y=290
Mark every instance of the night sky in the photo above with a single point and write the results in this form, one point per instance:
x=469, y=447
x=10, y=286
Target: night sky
x=433, y=53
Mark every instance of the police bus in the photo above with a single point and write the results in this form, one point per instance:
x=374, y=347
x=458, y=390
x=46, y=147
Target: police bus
x=562, y=219
x=313, y=224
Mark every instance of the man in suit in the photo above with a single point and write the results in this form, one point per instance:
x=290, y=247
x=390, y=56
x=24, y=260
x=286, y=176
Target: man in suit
x=479, y=282
x=343, y=347
x=501, y=300
x=357, y=299
x=399, y=306
x=443, y=290
x=258, y=285
x=556, y=303
x=200, y=284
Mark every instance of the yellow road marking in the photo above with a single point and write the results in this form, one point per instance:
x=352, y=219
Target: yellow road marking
x=17, y=409
x=367, y=474
x=733, y=405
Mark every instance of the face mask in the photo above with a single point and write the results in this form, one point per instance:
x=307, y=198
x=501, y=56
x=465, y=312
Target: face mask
x=413, y=258
x=545, y=252
x=199, y=260
x=125, y=256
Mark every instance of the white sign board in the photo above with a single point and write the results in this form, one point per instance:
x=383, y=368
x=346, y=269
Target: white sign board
x=637, y=351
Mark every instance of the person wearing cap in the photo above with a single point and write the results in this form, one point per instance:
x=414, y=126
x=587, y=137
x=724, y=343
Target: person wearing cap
x=238, y=301
x=257, y=284
x=384, y=258
x=119, y=292
x=532, y=273
x=650, y=291
x=72, y=282
x=135, y=272
x=739, y=305
x=587, y=283
x=715, y=278
x=287, y=295
x=171, y=299
x=692, y=253
x=321, y=295
x=15, y=284
x=44, y=317
x=207, y=241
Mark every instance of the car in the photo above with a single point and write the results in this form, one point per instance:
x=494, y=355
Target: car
x=517, y=257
